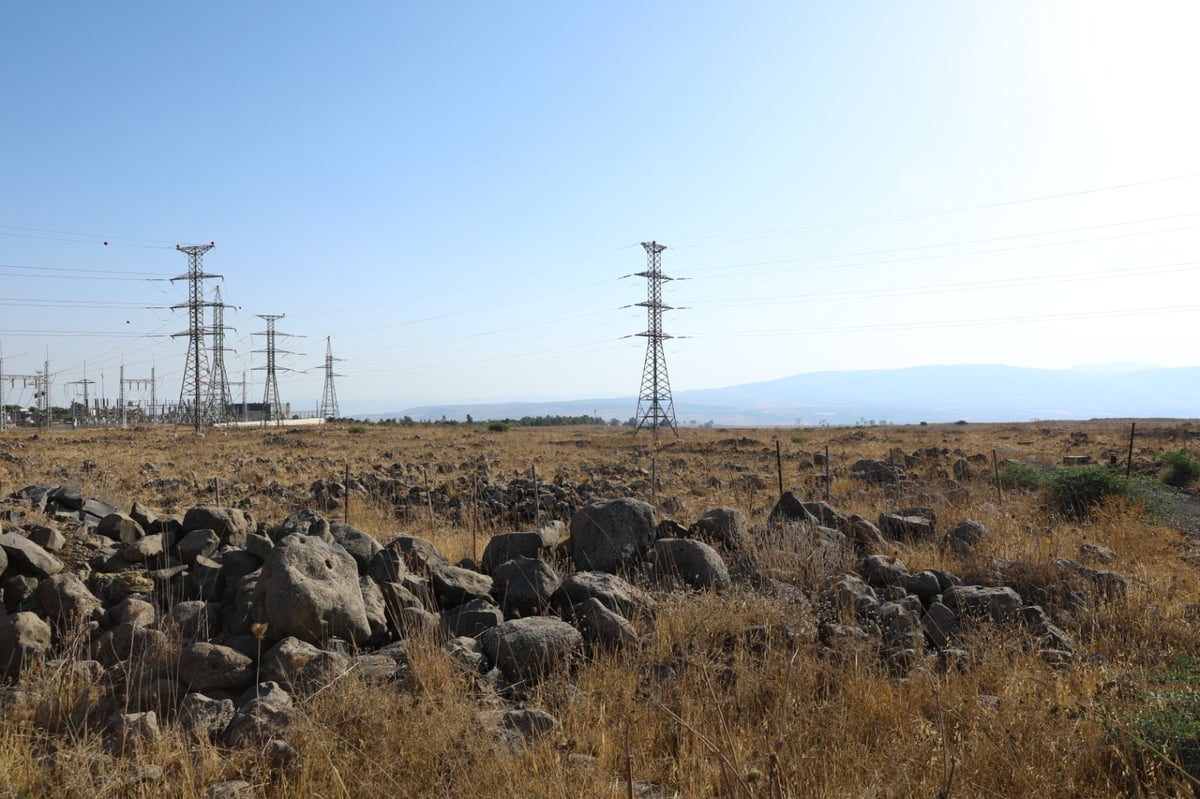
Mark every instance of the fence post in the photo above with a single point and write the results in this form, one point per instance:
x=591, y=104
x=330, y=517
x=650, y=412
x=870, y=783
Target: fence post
x=1129, y=460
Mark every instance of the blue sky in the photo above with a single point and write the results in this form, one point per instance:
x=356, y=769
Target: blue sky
x=453, y=193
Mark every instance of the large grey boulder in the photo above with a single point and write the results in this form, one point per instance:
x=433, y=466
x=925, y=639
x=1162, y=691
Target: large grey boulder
x=602, y=628
x=720, y=527
x=198, y=543
x=361, y=546
x=301, y=522
x=790, y=510
x=232, y=525
x=299, y=664
x=471, y=619
x=530, y=544
x=901, y=527
x=694, y=562
x=962, y=538
x=610, y=590
x=523, y=586
x=454, y=586
x=120, y=527
x=24, y=638
x=881, y=571
x=980, y=603
x=611, y=535
x=309, y=589
x=203, y=717
x=66, y=600
x=205, y=667
x=418, y=554
x=28, y=557
x=525, y=650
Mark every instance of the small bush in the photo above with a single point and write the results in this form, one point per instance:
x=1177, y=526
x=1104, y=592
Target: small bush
x=358, y=429
x=1182, y=468
x=1020, y=475
x=1076, y=490
x=498, y=427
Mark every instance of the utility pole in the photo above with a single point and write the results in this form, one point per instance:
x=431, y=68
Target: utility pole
x=271, y=404
x=656, y=408
x=218, y=390
x=329, y=403
x=195, y=372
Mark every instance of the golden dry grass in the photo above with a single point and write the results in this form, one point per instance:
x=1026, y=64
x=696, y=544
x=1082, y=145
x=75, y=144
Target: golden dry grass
x=699, y=710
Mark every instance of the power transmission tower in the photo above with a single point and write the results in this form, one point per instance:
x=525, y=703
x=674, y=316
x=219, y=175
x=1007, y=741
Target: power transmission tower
x=195, y=372
x=655, y=409
x=85, y=383
x=271, y=404
x=329, y=403
x=219, y=398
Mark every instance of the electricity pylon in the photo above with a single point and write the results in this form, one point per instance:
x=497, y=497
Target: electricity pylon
x=271, y=404
x=195, y=372
x=219, y=398
x=329, y=403
x=656, y=408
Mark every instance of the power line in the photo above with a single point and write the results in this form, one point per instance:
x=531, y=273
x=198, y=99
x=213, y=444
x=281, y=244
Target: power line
x=945, y=288
x=885, y=326
x=937, y=212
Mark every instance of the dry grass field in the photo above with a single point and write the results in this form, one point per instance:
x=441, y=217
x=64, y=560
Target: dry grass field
x=729, y=694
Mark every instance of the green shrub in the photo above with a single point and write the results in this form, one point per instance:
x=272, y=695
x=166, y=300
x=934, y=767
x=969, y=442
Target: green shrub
x=498, y=427
x=358, y=429
x=1020, y=475
x=1076, y=490
x=1182, y=468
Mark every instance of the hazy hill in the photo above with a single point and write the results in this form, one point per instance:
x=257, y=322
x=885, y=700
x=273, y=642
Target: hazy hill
x=927, y=393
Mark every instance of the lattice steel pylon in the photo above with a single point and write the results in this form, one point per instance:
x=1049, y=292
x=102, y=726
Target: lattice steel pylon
x=195, y=372
x=329, y=403
x=271, y=404
x=656, y=408
x=219, y=398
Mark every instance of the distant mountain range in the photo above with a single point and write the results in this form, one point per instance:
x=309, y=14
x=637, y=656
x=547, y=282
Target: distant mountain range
x=981, y=393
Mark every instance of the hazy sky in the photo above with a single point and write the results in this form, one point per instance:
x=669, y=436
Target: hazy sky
x=455, y=193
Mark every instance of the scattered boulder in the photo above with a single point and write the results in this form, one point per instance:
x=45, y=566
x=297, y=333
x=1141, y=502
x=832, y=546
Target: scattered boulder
x=602, y=628
x=66, y=600
x=454, y=586
x=232, y=525
x=610, y=590
x=301, y=522
x=27, y=556
x=204, y=667
x=611, y=536
x=24, y=639
x=120, y=527
x=523, y=586
x=525, y=650
x=978, y=603
x=309, y=589
x=904, y=527
x=962, y=538
x=723, y=528
x=789, y=509
x=694, y=562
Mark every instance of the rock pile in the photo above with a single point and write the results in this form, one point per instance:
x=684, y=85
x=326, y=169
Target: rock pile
x=215, y=622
